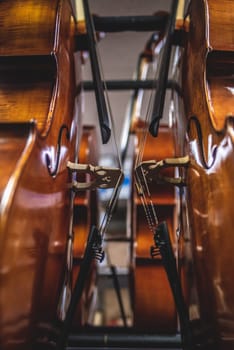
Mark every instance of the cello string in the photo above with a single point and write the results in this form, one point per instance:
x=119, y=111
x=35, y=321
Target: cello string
x=164, y=52
x=157, y=55
x=143, y=188
x=141, y=181
x=110, y=208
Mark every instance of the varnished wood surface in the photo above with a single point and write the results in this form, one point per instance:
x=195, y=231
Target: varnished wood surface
x=85, y=215
x=219, y=87
x=35, y=203
x=22, y=81
x=85, y=201
x=220, y=18
x=153, y=304
x=28, y=28
x=206, y=135
x=11, y=152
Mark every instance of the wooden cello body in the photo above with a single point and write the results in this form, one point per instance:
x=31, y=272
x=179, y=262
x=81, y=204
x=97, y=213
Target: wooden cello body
x=153, y=305
x=85, y=215
x=39, y=133
x=204, y=130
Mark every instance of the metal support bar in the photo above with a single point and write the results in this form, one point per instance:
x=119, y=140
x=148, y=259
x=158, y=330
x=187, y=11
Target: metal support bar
x=118, y=348
x=130, y=23
x=118, y=239
x=132, y=85
x=126, y=340
x=81, y=40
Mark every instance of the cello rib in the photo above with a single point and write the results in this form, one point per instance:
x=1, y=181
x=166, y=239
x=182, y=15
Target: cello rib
x=38, y=101
x=153, y=307
x=85, y=215
x=206, y=134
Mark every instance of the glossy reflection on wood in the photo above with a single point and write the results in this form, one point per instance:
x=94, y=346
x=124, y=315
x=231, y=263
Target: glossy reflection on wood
x=85, y=215
x=206, y=134
x=153, y=305
x=39, y=109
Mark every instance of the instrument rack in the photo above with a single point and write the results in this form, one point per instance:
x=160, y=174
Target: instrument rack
x=124, y=338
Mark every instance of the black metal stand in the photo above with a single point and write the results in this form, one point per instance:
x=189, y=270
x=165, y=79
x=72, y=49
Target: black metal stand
x=130, y=23
x=132, y=85
x=122, y=339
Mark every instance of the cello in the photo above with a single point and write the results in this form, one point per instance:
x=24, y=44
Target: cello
x=204, y=125
x=40, y=131
x=203, y=129
x=85, y=215
x=154, y=308
x=153, y=305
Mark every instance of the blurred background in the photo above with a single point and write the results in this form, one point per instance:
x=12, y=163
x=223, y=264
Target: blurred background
x=119, y=53
x=118, y=56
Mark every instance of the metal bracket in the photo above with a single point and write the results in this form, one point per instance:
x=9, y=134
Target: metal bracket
x=100, y=177
x=151, y=170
